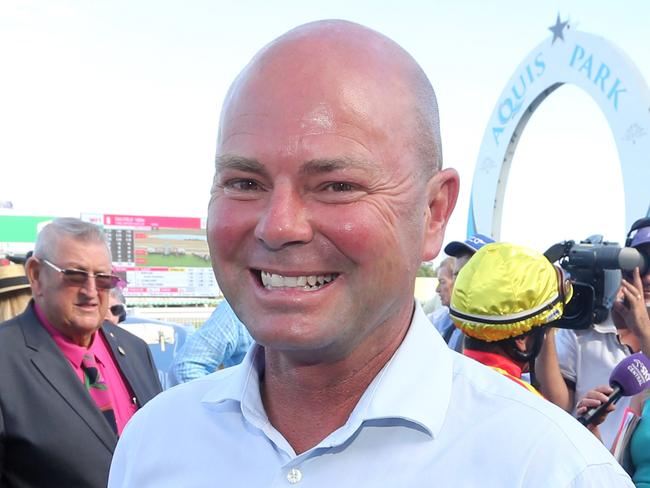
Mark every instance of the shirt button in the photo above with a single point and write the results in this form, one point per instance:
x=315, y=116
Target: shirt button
x=294, y=476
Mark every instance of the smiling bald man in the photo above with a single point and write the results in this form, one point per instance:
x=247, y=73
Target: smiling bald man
x=328, y=194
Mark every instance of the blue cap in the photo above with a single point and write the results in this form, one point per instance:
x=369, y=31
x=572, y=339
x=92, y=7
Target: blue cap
x=469, y=245
x=642, y=236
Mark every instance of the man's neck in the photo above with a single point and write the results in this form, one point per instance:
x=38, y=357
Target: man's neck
x=629, y=339
x=307, y=402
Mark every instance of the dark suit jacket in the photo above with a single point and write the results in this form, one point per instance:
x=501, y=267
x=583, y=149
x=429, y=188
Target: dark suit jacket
x=51, y=432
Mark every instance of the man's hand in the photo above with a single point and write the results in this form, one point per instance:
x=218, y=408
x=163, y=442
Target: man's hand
x=632, y=309
x=593, y=399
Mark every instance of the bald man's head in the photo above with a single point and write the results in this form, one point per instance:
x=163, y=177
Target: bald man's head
x=326, y=173
x=362, y=72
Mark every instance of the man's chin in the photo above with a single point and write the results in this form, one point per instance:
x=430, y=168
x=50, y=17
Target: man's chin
x=87, y=325
x=299, y=342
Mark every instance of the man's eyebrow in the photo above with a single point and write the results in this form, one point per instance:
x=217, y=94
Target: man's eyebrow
x=83, y=267
x=319, y=166
x=239, y=163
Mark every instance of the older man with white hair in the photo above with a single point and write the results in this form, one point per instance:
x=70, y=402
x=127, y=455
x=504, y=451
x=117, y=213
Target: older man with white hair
x=69, y=381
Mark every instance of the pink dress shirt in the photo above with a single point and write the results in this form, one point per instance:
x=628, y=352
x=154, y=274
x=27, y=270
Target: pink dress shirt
x=124, y=403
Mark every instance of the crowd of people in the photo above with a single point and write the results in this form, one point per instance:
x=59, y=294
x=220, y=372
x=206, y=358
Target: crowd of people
x=320, y=368
x=572, y=366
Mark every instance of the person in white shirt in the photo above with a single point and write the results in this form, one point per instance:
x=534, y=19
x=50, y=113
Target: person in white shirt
x=328, y=195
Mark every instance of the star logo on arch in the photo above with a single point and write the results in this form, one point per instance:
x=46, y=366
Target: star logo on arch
x=558, y=29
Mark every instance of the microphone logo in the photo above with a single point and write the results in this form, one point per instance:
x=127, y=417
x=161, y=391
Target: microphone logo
x=630, y=376
x=639, y=371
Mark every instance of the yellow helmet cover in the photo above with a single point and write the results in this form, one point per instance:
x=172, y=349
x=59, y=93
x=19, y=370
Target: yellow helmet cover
x=505, y=290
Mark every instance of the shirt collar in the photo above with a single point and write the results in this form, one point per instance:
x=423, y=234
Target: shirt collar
x=240, y=381
x=496, y=361
x=420, y=370
x=606, y=326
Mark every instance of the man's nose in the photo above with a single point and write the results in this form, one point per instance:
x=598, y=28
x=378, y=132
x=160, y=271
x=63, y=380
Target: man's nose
x=89, y=288
x=285, y=220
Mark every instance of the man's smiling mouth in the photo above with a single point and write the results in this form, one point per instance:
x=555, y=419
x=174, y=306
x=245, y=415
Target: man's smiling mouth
x=305, y=282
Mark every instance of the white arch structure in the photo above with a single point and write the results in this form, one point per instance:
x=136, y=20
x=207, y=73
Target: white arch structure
x=608, y=76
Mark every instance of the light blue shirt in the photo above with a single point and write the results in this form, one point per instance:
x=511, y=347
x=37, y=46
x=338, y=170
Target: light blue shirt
x=221, y=340
x=431, y=417
x=441, y=320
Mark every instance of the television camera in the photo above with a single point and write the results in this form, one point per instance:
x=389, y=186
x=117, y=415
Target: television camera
x=595, y=268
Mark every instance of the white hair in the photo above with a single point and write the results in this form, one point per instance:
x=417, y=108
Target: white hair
x=78, y=230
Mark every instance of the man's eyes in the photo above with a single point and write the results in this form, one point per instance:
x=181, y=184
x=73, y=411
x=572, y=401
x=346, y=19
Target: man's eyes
x=339, y=187
x=327, y=191
x=242, y=185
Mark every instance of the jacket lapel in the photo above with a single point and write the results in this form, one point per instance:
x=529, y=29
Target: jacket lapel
x=120, y=353
x=54, y=367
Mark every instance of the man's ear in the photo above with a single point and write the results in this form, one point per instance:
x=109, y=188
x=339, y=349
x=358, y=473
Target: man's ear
x=33, y=271
x=442, y=193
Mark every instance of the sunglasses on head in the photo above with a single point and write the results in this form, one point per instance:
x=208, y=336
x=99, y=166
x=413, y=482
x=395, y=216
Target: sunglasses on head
x=79, y=277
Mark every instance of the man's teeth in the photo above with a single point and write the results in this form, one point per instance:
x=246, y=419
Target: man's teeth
x=311, y=282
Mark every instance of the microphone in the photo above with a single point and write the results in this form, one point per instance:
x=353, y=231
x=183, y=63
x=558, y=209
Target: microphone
x=629, y=258
x=607, y=257
x=629, y=377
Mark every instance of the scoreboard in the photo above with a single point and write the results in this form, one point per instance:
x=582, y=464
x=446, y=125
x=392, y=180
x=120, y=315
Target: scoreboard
x=121, y=243
x=159, y=256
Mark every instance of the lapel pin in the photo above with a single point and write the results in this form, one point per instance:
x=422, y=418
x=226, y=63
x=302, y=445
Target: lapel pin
x=121, y=350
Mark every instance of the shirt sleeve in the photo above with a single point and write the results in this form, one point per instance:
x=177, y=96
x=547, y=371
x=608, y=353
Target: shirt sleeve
x=242, y=344
x=437, y=318
x=210, y=346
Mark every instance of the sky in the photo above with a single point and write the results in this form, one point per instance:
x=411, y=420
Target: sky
x=112, y=106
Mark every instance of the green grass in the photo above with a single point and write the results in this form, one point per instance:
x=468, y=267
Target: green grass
x=187, y=261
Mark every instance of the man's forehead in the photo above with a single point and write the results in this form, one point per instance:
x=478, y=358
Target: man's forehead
x=71, y=250
x=318, y=126
x=259, y=110
x=445, y=271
